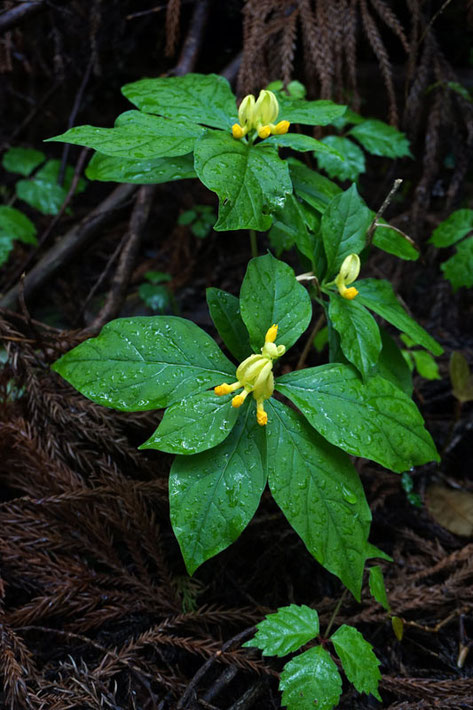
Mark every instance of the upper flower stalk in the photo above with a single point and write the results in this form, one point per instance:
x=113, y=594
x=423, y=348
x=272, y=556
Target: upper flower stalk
x=259, y=116
x=255, y=376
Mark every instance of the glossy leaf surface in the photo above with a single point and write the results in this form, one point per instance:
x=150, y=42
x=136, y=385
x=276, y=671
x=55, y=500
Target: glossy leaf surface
x=392, y=365
x=459, y=268
x=214, y=495
x=22, y=160
x=303, y=143
x=378, y=296
x=379, y=138
x=225, y=312
x=311, y=680
x=350, y=167
x=285, y=631
x=358, y=659
x=140, y=172
x=377, y=586
x=206, y=99
x=395, y=242
x=315, y=189
x=143, y=363
x=360, y=339
x=309, y=113
x=250, y=181
x=194, y=424
x=271, y=294
x=290, y=227
x=452, y=229
x=375, y=420
x=43, y=192
x=319, y=492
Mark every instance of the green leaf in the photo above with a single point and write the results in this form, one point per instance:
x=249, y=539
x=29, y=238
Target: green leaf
x=312, y=187
x=137, y=135
x=16, y=225
x=144, y=363
x=290, y=228
x=454, y=228
x=311, y=680
x=348, y=169
x=285, y=631
x=206, y=99
x=359, y=333
x=156, y=297
x=22, y=160
x=249, y=181
x=378, y=296
x=309, y=113
x=6, y=248
x=377, y=586
x=214, y=495
x=43, y=191
x=271, y=294
x=358, y=659
x=225, y=313
x=157, y=277
x=394, y=241
x=319, y=492
x=380, y=139
x=140, y=172
x=194, y=424
x=321, y=339
x=460, y=377
x=459, y=268
x=392, y=366
x=426, y=365
x=375, y=420
x=301, y=142
x=344, y=226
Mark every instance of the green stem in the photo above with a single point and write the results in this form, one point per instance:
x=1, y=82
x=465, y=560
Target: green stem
x=253, y=243
x=335, y=612
x=309, y=341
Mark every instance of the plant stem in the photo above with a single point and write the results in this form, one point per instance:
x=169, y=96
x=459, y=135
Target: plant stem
x=308, y=345
x=253, y=243
x=335, y=612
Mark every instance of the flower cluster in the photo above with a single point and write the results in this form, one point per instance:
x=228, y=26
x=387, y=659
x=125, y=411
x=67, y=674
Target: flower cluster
x=259, y=116
x=255, y=375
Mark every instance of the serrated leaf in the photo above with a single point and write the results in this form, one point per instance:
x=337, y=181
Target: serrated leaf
x=136, y=364
x=344, y=226
x=140, y=172
x=290, y=228
x=312, y=187
x=392, y=365
x=378, y=296
x=377, y=587
x=225, y=313
x=375, y=420
x=249, y=181
x=394, y=241
x=214, y=495
x=426, y=365
x=138, y=136
x=309, y=113
x=194, y=424
x=360, y=339
x=202, y=98
x=16, y=225
x=460, y=377
x=379, y=138
x=459, y=268
x=285, y=631
x=270, y=293
x=43, y=192
x=319, y=492
x=311, y=680
x=22, y=160
x=303, y=143
x=358, y=659
x=452, y=229
x=348, y=169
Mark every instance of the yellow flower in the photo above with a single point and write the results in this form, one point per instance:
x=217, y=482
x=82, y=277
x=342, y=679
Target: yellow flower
x=259, y=116
x=255, y=376
x=348, y=273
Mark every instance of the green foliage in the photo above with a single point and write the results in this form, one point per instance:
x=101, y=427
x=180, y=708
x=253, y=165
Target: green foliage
x=22, y=160
x=14, y=226
x=453, y=229
x=200, y=220
x=358, y=660
x=395, y=242
x=140, y=172
x=155, y=294
x=311, y=680
x=285, y=631
x=225, y=312
x=43, y=191
x=380, y=139
x=377, y=586
x=360, y=339
x=408, y=486
x=458, y=269
x=460, y=377
x=348, y=165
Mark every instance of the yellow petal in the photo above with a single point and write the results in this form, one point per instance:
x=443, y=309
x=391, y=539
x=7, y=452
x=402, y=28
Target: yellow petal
x=264, y=131
x=237, y=131
x=281, y=128
x=271, y=334
x=350, y=293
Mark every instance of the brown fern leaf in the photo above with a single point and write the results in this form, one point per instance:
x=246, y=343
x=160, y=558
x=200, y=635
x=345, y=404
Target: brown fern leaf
x=388, y=16
x=327, y=38
x=173, y=12
x=288, y=47
x=350, y=29
x=17, y=668
x=379, y=49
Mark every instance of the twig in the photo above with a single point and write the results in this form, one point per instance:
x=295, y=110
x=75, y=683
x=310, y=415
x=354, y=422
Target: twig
x=12, y=17
x=253, y=693
x=70, y=245
x=117, y=292
x=309, y=341
x=382, y=209
x=335, y=612
x=209, y=663
x=71, y=121
x=193, y=40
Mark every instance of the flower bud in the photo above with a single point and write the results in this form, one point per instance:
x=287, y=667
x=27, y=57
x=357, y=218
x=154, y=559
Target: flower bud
x=246, y=112
x=266, y=108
